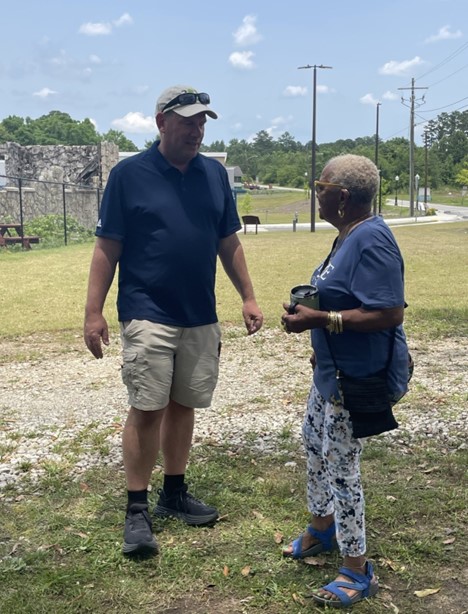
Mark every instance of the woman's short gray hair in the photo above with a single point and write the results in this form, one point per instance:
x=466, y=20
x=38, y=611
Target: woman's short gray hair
x=357, y=174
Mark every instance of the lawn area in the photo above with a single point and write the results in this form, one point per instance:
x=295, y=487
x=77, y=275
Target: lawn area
x=61, y=517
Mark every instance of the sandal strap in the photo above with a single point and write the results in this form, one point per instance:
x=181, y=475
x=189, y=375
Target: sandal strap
x=334, y=588
x=360, y=578
x=297, y=548
x=325, y=537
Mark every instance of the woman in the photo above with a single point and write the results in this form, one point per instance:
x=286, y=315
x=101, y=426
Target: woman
x=359, y=328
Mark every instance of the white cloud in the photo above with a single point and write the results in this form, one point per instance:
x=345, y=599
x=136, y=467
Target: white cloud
x=293, y=91
x=135, y=122
x=242, y=59
x=400, y=68
x=94, y=122
x=368, y=99
x=281, y=121
x=44, y=93
x=95, y=29
x=247, y=33
x=95, y=59
x=104, y=28
x=123, y=20
x=390, y=95
x=443, y=34
x=324, y=89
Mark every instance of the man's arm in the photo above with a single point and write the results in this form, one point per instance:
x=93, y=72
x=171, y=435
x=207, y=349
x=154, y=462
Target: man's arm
x=233, y=261
x=103, y=264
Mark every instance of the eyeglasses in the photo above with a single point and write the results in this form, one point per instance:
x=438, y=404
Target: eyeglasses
x=187, y=98
x=319, y=185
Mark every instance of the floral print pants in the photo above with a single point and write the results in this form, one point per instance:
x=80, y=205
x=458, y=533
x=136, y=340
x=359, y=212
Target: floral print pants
x=333, y=472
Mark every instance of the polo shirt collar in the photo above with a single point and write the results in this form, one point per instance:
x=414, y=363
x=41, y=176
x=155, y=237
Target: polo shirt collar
x=163, y=165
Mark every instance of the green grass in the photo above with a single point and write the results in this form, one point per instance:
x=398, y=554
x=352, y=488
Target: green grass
x=43, y=291
x=60, y=545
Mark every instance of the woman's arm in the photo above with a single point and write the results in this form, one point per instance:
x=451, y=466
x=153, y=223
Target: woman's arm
x=359, y=319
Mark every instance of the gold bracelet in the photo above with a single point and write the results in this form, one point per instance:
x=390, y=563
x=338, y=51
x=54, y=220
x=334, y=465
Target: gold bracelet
x=334, y=322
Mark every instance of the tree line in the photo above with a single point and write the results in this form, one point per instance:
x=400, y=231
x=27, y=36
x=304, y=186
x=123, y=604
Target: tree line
x=443, y=157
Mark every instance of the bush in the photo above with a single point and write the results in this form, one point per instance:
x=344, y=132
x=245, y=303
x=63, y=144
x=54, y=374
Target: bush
x=50, y=229
x=431, y=211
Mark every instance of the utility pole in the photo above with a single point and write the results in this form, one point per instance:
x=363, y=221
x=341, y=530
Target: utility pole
x=377, y=162
x=426, y=138
x=411, y=151
x=314, y=147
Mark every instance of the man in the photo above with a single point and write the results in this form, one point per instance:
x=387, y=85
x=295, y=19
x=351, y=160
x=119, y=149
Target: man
x=166, y=214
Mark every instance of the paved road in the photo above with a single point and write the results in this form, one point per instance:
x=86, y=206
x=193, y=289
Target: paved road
x=459, y=212
x=421, y=220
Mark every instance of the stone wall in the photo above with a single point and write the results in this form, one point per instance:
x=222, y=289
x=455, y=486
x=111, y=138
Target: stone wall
x=48, y=179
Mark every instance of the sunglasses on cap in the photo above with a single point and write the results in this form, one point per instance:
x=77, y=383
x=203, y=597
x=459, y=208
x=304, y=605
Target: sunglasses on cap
x=186, y=99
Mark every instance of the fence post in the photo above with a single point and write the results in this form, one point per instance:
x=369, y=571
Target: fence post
x=65, y=237
x=20, y=186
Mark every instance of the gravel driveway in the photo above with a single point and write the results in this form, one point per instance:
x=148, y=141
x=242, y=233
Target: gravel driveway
x=47, y=403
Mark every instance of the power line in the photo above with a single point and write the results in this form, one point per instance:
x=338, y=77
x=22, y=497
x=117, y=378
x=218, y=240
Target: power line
x=448, y=76
x=447, y=105
x=445, y=61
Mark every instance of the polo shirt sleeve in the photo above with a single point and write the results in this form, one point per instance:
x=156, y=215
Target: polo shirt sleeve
x=377, y=281
x=111, y=224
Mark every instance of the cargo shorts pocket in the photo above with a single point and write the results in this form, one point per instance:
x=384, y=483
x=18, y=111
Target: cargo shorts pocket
x=129, y=369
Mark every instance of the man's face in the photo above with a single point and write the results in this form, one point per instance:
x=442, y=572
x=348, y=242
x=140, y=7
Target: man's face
x=181, y=137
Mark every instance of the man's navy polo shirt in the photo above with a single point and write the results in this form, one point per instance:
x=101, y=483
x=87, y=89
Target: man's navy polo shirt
x=170, y=225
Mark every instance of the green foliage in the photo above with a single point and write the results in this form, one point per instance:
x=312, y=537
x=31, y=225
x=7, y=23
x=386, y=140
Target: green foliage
x=50, y=229
x=57, y=128
x=118, y=137
x=462, y=175
x=245, y=204
x=283, y=161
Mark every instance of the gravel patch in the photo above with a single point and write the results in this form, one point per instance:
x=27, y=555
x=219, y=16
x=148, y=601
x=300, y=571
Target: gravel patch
x=69, y=409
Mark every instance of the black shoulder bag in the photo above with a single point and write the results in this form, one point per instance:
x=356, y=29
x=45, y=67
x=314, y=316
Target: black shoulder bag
x=367, y=399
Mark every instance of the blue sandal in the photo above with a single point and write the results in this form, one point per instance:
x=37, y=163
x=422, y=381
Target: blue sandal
x=366, y=584
x=327, y=543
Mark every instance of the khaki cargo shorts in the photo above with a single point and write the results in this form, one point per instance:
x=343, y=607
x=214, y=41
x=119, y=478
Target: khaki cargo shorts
x=162, y=363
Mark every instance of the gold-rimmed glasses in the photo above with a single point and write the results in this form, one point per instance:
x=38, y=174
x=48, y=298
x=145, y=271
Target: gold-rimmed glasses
x=319, y=185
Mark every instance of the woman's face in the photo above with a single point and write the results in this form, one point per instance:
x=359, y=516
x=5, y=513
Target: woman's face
x=329, y=196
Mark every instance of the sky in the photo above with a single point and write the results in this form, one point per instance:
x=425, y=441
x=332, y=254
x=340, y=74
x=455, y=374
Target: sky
x=109, y=61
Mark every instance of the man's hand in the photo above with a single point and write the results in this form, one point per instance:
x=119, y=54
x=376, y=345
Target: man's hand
x=95, y=330
x=253, y=317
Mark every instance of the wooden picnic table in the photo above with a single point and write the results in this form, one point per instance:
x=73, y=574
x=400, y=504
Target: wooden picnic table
x=13, y=233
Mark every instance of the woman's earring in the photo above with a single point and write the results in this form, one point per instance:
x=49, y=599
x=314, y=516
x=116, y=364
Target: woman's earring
x=341, y=213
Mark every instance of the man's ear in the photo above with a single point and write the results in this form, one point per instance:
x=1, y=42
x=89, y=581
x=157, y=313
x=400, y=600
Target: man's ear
x=161, y=122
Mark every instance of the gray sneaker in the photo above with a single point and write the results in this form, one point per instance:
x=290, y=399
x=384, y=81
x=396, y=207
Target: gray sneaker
x=185, y=506
x=138, y=534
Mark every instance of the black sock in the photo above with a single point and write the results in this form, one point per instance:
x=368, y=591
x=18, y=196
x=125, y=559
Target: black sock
x=172, y=483
x=137, y=496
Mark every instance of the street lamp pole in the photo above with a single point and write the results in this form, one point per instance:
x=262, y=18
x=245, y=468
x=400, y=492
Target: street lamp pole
x=377, y=161
x=313, y=175
x=397, y=179
x=416, y=187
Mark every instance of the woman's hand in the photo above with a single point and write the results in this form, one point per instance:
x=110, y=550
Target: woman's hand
x=303, y=318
